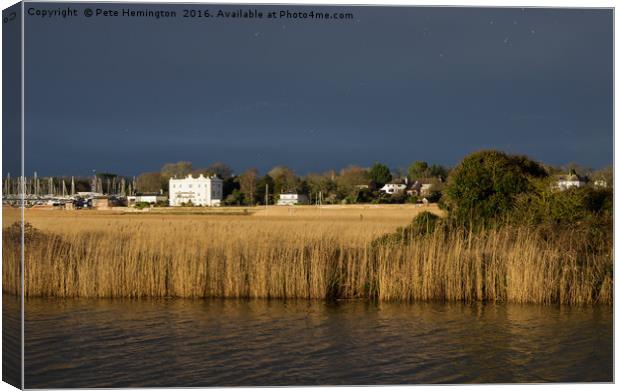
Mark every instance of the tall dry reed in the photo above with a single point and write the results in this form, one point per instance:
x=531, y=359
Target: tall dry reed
x=276, y=259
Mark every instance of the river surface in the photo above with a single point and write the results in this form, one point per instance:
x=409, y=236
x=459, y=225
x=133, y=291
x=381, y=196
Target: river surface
x=180, y=342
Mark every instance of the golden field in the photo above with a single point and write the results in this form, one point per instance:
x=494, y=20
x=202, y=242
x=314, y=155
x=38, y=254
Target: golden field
x=296, y=252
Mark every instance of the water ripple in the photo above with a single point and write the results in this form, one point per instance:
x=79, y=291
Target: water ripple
x=125, y=343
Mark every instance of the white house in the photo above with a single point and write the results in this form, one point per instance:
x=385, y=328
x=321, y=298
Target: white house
x=566, y=182
x=395, y=186
x=200, y=191
x=292, y=199
x=600, y=183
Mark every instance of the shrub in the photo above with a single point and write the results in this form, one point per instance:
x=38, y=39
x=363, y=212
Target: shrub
x=485, y=185
x=566, y=207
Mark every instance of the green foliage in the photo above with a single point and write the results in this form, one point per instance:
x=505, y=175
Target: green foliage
x=413, y=199
x=417, y=170
x=142, y=205
x=380, y=174
x=437, y=170
x=247, y=185
x=350, y=180
x=235, y=198
x=421, y=169
x=433, y=197
x=567, y=207
x=284, y=180
x=605, y=174
x=379, y=197
x=485, y=185
x=360, y=196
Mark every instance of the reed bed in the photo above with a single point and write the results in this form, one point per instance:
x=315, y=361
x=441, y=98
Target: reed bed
x=288, y=257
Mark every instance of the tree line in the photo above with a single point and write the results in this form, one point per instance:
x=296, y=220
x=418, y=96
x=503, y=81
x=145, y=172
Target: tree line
x=352, y=184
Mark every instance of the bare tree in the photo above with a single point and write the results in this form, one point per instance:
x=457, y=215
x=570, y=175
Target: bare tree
x=178, y=169
x=150, y=182
x=222, y=170
x=351, y=178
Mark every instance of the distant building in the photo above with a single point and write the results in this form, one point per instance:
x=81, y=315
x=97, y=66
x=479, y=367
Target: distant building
x=100, y=202
x=425, y=186
x=602, y=183
x=151, y=198
x=565, y=182
x=395, y=186
x=200, y=191
x=292, y=199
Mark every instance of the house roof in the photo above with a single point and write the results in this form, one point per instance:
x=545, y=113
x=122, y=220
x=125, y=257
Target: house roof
x=570, y=177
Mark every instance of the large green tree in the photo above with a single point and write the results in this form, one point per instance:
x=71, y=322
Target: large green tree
x=417, y=170
x=380, y=174
x=247, y=185
x=284, y=179
x=485, y=185
x=265, y=190
x=320, y=183
x=350, y=180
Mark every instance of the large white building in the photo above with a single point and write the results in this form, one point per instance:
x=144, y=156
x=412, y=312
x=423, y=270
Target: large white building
x=200, y=191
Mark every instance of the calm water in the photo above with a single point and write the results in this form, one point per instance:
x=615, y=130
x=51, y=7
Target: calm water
x=122, y=343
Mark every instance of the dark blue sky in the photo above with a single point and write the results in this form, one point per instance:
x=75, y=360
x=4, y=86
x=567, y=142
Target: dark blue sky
x=394, y=85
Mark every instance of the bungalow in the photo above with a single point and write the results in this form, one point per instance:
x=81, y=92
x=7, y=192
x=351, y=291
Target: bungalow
x=151, y=198
x=292, y=199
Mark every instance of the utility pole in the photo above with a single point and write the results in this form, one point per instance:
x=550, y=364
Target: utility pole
x=266, y=195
